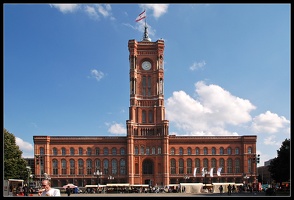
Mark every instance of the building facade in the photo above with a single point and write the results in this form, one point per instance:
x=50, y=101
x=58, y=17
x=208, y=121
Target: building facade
x=148, y=154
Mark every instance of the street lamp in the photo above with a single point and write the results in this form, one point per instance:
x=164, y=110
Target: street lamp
x=29, y=174
x=110, y=178
x=98, y=174
x=186, y=177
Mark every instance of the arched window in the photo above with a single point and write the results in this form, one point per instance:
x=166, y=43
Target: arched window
x=89, y=166
x=81, y=151
x=114, y=166
x=63, y=151
x=249, y=150
x=55, y=167
x=153, y=151
x=173, y=166
x=105, y=151
x=213, y=151
x=136, y=151
x=172, y=151
x=113, y=151
x=105, y=166
x=205, y=151
x=147, y=151
x=72, y=166
x=72, y=151
x=237, y=151
x=181, y=166
x=122, y=151
x=122, y=167
x=63, y=166
x=54, y=151
x=143, y=116
x=89, y=151
x=229, y=151
x=229, y=166
x=150, y=116
x=81, y=166
x=189, y=151
x=97, y=151
x=197, y=151
x=197, y=165
x=221, y=151
x=181, y=151
x=159, y=150
x=237, y=165
x=142, y=150
x=189, y=166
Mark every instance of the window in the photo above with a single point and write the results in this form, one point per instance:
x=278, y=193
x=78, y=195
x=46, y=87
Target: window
x=55, y=167
x=72, y=151
x=205, y=162
x=114, y=166
x=63, y=151
x=153, y=151
x=229, y=166
x=144, y=86
x=150, y=116
x=205, y=151
x=105, y=151
x=237, y=166
x=136, y=151
x=197, y=151
x=213, y=164
x=229, y=151
x=142, y=150
x=63, y=166
x=172, y=151
x=213, y=151
x=89, y=166
x=249, y=150
x=81, y=166
x=189, y=166
x=113, y=151
x=80, y=151
x=149, y=86
x=122, y=151
x=221, y=151
x=72, y=166
x=237, y=151
x=98, y=165
x=54, y=151
x=222, y=164
x=197, y=165
x=89, y=151
x=143, y=116
x=181, y=151
x=189, y=151
x=181, y=166
x=97, y=151
x=173, y=166
x=122, y=166
x=105, y=166
x=147, y=151
x=159, y=150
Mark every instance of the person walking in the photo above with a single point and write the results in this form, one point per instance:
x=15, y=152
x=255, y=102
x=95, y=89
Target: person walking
x=221, y=189
x=68, y=191
x=48, y=190
x=229, y=189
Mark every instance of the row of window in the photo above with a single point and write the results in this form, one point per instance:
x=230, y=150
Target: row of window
x=148, y=151
x=114, y=166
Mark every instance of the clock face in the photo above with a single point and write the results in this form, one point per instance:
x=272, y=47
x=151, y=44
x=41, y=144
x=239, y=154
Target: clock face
x=146, y=65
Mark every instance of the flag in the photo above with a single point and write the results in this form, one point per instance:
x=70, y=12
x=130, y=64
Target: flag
x=203, y=172
x=195, y=170
x=141, y=16
x=219, y=171
x=211, y=172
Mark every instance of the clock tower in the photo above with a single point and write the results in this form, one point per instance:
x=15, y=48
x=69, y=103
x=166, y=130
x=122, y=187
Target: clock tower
x=147, y=128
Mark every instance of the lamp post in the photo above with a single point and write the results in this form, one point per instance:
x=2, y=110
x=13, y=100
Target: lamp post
x=186, y=177
x=98, y=174
x=110, y=178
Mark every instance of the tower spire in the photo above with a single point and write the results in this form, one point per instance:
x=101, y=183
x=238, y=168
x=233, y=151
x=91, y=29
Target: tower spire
x=146, y=37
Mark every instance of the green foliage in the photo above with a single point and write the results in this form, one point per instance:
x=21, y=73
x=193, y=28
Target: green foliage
x=279, y=167
x=14, y=164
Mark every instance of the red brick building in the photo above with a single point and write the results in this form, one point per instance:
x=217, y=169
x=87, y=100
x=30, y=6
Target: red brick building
x=147, y=154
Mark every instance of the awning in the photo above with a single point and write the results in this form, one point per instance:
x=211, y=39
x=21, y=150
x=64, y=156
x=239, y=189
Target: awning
x=91, y=186
x=138, y=185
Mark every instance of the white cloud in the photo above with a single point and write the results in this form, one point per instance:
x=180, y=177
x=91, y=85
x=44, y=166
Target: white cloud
x=158, y=9
x=198, y=65
x=91, y=12
x=269, y=122
x=26, y=148
x=210, y=113
x=65, y=8
x=117, y=128
x=98, y=75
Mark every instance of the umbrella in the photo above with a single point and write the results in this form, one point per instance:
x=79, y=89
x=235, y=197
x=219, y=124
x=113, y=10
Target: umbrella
x=70, y=185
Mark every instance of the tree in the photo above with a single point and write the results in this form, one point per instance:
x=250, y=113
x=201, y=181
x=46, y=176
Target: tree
x=14, y=164
x=279, y=167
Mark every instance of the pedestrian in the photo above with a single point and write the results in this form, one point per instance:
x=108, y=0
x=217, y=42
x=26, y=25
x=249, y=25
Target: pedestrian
x=221, y=189
x=47, y=190
x=25, y=190
x=229, y=189
x=68, y=191
x=234, y=189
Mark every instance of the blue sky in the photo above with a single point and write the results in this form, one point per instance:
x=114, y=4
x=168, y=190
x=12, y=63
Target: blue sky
x=227, y=69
